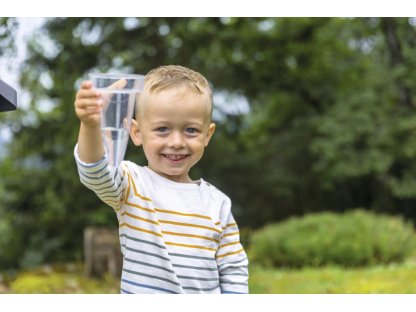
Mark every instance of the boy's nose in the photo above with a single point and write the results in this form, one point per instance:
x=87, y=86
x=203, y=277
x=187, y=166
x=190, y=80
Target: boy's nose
x=176, y=140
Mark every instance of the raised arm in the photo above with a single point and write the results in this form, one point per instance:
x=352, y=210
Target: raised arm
x=106, y=181
x=88, y=105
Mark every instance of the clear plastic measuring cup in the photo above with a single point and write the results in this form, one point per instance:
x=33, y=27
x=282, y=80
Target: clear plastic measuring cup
x=119, y=93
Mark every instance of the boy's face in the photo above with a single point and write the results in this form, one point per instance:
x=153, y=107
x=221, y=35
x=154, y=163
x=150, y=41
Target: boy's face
x=174, y=126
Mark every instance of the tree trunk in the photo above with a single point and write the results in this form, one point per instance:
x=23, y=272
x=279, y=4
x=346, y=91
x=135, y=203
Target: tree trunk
x=389, y=28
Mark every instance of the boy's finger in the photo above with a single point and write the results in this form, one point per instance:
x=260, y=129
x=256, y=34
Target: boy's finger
x=92, y=109
x=88, y=103
x=87, y=93
x=118, y=85
x=88, y=111
x=86, y=84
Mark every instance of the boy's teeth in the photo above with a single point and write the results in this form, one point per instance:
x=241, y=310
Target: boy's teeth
x=174, y=157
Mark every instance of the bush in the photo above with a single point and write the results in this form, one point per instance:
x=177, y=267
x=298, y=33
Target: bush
x=355, y=238
x=61, y=279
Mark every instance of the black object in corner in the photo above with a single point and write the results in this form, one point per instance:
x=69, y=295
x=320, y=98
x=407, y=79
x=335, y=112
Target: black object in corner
x=8, y=97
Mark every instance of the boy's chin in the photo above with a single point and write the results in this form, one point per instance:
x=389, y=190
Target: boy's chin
x=177, y=175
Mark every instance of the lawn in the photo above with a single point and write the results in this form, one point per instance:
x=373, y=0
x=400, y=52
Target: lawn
x=391, y=279
x=394, y=279
x=57, y=279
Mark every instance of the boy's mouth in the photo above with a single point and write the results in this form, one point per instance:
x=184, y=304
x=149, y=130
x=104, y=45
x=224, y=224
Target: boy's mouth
x=175, y=157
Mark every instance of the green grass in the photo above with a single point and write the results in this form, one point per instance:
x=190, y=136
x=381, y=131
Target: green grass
x=392, y=279
x=59, y=279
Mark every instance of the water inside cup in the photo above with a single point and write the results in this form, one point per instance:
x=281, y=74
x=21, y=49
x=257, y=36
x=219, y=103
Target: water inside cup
x=119, y=94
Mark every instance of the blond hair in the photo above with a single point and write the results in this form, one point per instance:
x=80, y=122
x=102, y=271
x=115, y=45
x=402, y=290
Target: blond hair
x=170, y=76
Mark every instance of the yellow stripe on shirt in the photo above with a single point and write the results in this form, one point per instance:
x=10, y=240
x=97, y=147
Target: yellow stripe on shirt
x=191, y=225
x=140, y=229
x=229, y=244
x=191, y=235
x=190, y=246
x=139, y=218
x=231, y=234
x=183, y=214
x=229, y=225
x=136, y=193
x=230, y=253
x=139, y=207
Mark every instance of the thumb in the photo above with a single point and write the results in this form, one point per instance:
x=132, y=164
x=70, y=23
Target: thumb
x=118, y=85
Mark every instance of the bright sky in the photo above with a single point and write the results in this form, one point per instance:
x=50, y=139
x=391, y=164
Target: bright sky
x=10, y=68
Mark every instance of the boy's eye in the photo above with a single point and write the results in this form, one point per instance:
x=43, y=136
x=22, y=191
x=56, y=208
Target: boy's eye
x=191, y=130
x=162, y=129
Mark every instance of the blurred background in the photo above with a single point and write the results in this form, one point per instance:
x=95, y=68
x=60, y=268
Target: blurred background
x=315, y=145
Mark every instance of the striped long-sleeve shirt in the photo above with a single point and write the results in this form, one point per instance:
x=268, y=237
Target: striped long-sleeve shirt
x=174, y=237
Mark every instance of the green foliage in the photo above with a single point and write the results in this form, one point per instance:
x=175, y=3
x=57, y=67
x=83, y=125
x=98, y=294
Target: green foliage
x=355, y=238
x=331, y=122
x=10, y=242
x=8, y=29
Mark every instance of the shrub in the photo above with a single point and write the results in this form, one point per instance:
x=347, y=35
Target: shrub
x=61, y=279
x=355, y=238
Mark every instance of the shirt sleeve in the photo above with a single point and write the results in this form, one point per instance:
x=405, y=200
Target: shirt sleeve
x=107, y=182
x=231, y=258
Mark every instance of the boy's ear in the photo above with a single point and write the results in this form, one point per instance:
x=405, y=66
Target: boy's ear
x=135, y=133
x=211, y=130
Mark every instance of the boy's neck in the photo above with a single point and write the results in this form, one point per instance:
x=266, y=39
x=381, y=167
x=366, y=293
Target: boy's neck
x=187, y=180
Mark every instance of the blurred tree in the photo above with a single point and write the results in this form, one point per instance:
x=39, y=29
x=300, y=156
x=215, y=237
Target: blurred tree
x=331, y=125
x=366, y=139
x=8, y=29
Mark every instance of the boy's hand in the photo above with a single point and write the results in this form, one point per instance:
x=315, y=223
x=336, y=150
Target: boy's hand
x=89, y=102
x=88, y=105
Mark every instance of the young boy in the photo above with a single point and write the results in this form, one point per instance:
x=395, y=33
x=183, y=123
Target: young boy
x=177, y=235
